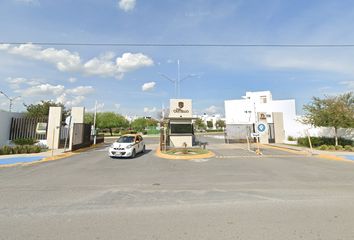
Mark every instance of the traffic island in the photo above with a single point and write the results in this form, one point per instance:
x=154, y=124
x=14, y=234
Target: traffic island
x=185, y=153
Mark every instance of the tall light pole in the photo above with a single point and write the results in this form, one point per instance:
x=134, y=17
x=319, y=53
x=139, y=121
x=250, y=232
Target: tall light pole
x=10, y=99
x=176, y=82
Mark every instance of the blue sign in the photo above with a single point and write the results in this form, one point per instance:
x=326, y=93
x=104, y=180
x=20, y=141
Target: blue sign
x=261, y=128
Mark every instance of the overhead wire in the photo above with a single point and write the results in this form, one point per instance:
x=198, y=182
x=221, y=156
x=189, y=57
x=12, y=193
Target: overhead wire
x=183, y=45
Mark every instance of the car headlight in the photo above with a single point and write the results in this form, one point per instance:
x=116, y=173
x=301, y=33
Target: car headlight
x=129, y=146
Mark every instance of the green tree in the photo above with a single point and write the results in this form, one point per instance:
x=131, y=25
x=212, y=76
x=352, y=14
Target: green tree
x=110, y=120
x=332, y=111
x=42, y=109
x=151, y=122
x=89, y=117
x=210, y=124
x=199, y=123
x=139, y=124
x=220, y=124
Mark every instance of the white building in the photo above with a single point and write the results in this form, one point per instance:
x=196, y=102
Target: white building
x=244, y=111
x=209, y=117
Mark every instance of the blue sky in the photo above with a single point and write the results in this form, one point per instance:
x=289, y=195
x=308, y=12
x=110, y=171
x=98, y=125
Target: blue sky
x=124, y=79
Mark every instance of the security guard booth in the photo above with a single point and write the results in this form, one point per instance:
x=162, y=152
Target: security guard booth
x=181, y=132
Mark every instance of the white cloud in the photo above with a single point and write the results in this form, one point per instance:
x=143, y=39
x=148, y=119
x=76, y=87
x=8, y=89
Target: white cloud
x=80, y=91
x=212, y=109
x=16, y=80
x=117, y=105
x=62, y=98
x=107, y=56
x=130, y=62
x=14, y=86
x=350, y=84
x=75, y=102
x=126, y=5
x=72, y=80
x=99, y=107
x=170, y=61
x=149, y=86
x=119, y=76
x=66, y=61
x=150, y=111
x=42, y=90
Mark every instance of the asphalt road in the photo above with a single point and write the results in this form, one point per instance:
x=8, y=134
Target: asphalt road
x=234, y=195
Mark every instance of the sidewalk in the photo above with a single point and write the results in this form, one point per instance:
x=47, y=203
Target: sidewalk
x=30, y=158
x=335, y=155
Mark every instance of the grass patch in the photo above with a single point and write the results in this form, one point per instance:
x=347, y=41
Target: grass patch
x=182, y=152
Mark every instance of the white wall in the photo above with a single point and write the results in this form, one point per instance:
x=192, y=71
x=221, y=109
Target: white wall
x=235, y=114
x=5, y=123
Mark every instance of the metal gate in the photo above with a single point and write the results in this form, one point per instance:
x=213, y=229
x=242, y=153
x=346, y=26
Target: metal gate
x=271, y=136
x=237, y=133
x=82, y=136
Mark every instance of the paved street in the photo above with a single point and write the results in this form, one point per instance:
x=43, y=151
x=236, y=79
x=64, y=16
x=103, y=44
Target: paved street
x=234, y=195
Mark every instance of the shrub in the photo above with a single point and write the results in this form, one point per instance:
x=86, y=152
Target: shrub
x=339, y=147
x=315, y=142
x=323, y=147
x=17, y=149
x=291, y=138
x=347, y=147
x=24, y=141
x=26, y=149
x=331, y=147
x=36, y=149
x=6, y=150
x=318, y=141
x=144, y=132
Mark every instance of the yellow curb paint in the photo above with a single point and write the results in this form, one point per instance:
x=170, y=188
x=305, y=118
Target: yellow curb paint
x=10, y=165
x=283, y=149
x=334, y=158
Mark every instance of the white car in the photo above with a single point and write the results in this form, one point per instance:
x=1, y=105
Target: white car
x=127, y=145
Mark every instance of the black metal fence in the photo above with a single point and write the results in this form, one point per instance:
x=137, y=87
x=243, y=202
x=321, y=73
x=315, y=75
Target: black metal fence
x=28, y=128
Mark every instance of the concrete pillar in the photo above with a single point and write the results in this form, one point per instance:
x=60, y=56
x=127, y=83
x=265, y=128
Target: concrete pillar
x=78, y=114
x=54, y=124
x=262, y=118
x=279, y=133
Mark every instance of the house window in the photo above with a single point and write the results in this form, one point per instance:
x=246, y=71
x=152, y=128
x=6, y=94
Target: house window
x=263, y=99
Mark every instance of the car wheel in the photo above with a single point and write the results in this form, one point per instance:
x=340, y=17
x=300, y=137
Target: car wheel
x=143, y=149
x=133, y=153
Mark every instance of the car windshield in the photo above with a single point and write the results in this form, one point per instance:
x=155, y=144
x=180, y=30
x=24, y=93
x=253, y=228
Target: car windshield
x=126, y=139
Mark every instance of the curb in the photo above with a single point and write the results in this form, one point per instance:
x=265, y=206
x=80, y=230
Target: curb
x=329, y=157
x=166, y=156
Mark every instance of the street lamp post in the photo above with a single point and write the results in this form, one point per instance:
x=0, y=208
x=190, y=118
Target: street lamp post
x=10, y=99
x=176, y=82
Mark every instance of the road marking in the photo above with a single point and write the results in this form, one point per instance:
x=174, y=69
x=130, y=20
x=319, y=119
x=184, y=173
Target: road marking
x=263, y=156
